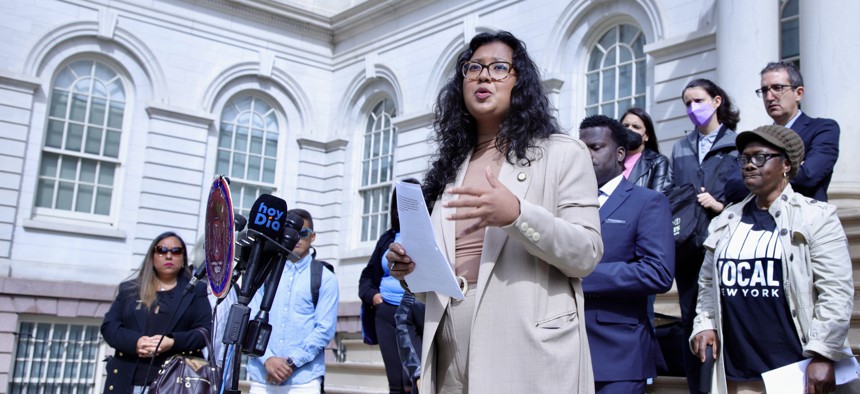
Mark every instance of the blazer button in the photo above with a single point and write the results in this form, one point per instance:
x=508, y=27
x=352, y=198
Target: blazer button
x=784, y=197
x=524, y=226
x=536, y=237
x=530, y=232
x=783, y=232
x=778, y=213
x=793, y=313
x=521, y=176
x=120, y=354
x=791, y=257
x=110, y=388
x=115, y=371
x=731, y=216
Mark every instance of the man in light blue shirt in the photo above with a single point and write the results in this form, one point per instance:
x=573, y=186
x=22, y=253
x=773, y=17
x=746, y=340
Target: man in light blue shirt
x=294, y=361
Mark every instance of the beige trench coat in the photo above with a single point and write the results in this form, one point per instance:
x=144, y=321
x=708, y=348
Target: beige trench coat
x=527, y=332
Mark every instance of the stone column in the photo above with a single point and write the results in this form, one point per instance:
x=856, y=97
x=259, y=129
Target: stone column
x=747, y=39
x=828, y=53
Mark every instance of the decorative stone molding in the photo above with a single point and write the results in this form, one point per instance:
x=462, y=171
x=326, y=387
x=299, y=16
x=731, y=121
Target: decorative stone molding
x=20, y=83
x=180, y=115
x=322, y=146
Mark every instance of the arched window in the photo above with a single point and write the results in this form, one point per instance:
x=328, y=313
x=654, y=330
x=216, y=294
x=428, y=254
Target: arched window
x=80, y=155
x=789, y=32
x=377, y=170
x=248, y=149
x=615, y=78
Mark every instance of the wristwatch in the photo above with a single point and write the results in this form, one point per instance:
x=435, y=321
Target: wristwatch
x=291, y=364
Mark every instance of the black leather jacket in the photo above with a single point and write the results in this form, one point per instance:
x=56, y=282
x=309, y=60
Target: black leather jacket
x=652, y=171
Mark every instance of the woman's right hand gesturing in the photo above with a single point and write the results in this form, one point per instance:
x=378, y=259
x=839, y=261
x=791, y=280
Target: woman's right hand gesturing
x=399, y=263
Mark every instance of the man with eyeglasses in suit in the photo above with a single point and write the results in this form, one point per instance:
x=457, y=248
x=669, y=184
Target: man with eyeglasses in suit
x=781, y=90
x=294, y=362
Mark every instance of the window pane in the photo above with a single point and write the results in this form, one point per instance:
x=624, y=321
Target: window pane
x=628, y=33
x=791, y=8
x=103, y=197
x=595, y=59
x=94, y=140
x=625, y=80
x=225, y=137
x=115, y=115
x=222, y=162
x=640, y=77
x=112, y=143
x=272, y=122
x=85, y=198
x=83, y=86
x=68, y=168
x=54, y=137
x=256, y=120
x=238, y=166
x=639, y=47
x=608, y=109
x=624, y=54
x=65, y=79
x=256, y=141
x=241, y=144
x=74, y=137
x=79, y=108
x=65, y=194
x=59, y=102
x=88, y=171
x=254, y=163
x=790, y=39
x=609, y=59
x=271, y=144
x=593, y=82
x=99, y=89
x=608, y=92
x=269, y=171
x=45, y=193
x=106, y=173
x=98, y=108
x=608, y=39
x=116, y=91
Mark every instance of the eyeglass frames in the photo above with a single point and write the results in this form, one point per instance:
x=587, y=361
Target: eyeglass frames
x=777, y=89
x=497, y=70
x=758, y=159
x=162, y=250
x=305, y=233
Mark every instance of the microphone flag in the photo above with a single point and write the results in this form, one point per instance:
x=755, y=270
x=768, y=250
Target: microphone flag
x=219, y=237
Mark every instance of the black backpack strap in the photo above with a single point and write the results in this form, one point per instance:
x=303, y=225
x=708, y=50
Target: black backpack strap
x=316, y=278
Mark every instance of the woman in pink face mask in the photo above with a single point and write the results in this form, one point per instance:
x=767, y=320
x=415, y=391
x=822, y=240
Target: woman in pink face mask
x=705, y=158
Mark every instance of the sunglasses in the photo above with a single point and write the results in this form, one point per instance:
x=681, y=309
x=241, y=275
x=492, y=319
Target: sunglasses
x=163, y=250
x=305, y=233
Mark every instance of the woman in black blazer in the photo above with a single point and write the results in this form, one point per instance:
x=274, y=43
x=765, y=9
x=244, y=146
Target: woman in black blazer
x=150, y=306
x=651, y=169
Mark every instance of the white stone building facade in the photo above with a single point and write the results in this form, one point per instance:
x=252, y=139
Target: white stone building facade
x=115, y=115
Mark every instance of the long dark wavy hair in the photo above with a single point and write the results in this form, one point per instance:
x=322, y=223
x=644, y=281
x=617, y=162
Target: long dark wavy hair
x=529, y=119
x=649, y=127
x=727, y=114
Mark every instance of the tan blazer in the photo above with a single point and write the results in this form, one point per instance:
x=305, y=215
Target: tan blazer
x=527, y=333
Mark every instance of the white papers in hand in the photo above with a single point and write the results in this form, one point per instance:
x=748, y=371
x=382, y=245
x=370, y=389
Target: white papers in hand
x=791, y=379
x=432, y=270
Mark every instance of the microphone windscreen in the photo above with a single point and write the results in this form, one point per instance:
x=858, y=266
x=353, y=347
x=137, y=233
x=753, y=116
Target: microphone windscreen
x=268, y=215
x=239, y=222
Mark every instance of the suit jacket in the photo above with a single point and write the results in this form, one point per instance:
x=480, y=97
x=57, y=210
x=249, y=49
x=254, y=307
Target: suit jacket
x=368, y=285
x=125, y=322
x=527, y=332
x=641, y=262
x=652, y=171
x=821, y=144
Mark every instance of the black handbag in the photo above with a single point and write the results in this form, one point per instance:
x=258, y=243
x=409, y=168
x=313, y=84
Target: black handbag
x=689, y=219
x=189, y=374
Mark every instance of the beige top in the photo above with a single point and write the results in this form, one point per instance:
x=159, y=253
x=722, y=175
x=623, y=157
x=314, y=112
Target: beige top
x=469, y=246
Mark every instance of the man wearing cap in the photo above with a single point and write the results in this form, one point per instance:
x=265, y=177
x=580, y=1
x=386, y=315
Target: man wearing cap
x=776, y=285
x=781, y=91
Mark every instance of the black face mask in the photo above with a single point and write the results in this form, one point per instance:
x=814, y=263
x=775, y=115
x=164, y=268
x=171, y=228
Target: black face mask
x=634, y=141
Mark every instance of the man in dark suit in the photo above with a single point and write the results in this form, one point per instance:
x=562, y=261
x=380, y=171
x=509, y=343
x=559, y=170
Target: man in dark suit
x=781, y=90
x=638, y=261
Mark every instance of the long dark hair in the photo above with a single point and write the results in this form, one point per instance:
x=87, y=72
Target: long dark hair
x=529, y=119
x=649, y=127
x=145, y=281
x=727, y=114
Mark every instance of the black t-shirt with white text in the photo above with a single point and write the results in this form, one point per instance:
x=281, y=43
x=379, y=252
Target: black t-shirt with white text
x=758, y=333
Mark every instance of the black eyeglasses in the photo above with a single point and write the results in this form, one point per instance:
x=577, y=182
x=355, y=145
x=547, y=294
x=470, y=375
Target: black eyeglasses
x=163, y=250
x=305, y=233
x=776, y=88
x=497, y=70
x=757, y=159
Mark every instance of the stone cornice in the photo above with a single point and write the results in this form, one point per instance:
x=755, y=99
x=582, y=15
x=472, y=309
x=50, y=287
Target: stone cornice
x=22, y=83
x=680, y=46
x=53, y=289
x=179, y=115
x=413, y=120
x=312, y=143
